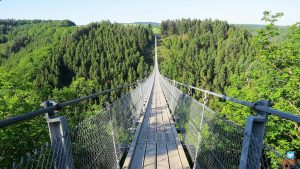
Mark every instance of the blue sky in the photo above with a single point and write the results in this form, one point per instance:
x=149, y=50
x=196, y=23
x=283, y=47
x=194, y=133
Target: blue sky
x=86, y=11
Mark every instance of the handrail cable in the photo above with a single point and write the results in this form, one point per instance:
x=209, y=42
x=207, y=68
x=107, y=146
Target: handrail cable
x=58, y=106
x=284, y=115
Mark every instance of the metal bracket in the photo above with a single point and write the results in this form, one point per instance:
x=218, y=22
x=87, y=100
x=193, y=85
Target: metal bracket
x=49, y=103
x=253, y=137
x=60, y=138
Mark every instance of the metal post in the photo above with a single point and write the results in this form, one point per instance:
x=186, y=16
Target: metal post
x=190, y=93
x=60, y=138
x=172, y=101
x=205, y=100
x=253, y=138
x=143, y=101
x=113, y=134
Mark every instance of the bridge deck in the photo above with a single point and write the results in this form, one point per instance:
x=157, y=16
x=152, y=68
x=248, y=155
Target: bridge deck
x=156, y=144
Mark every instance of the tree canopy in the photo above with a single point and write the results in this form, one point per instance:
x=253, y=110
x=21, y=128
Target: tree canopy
x=229, y=59
x=41, y=60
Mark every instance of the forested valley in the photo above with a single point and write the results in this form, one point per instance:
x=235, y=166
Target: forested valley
x=228, y=59
x=60, y=61
x=57, y=60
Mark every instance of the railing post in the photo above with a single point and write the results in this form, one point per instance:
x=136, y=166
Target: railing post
x=142, y=97
x=109, y=109
x=190, y=93
x=205, y=100
x=60, y=138
x=172, y=101
x=253, y=138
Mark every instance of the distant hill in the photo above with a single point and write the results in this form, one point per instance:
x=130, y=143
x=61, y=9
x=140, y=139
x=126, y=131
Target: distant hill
x=283, y=31
x=253, y=27
x=155, y=24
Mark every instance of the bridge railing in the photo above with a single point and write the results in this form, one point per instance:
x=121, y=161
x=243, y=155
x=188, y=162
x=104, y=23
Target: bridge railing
x=96, y=142
x=215, y=142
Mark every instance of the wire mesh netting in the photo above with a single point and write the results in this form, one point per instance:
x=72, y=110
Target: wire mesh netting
x=211, y=140
x=100, y=141
x=268, y=157
x=96, y=142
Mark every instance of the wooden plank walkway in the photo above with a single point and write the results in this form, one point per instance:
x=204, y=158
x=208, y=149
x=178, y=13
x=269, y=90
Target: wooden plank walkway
x=156, y=144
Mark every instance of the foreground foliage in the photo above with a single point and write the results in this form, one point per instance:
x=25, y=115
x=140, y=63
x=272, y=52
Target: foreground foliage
x=56, y=60
x=227, y=59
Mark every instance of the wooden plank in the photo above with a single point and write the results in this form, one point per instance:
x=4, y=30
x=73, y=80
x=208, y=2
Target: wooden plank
x=174, y=158
x=174, y=131
x=158, y=145
x=132, y=148
x=165, y=116
x=133, y=144
x=138, y=157
x=160, y=133
x=144, y=128
x=150, y=156
x=139, y=153
x=169, y=133
x=152, y=120
x=159, y=119
x=184, y=161
x=162, y=156
x=151, y=136
x=153, y=105
x=179, y=147
x=181, y=152
x=144, y=132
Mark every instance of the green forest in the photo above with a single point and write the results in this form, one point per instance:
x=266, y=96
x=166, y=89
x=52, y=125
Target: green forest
x=58, y=60
x=234, y=61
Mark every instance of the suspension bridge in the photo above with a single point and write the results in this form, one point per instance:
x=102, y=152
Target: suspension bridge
x=156, y=125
